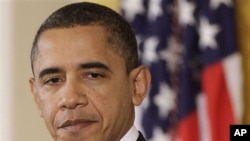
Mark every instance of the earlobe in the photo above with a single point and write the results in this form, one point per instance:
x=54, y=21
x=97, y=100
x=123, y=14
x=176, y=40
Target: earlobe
x=34, y=92
x=141, y=83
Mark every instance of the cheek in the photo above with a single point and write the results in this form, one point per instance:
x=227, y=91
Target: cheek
x=49, y=110
x=110, y=101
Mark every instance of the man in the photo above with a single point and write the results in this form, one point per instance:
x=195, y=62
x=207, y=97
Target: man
x=86, y=75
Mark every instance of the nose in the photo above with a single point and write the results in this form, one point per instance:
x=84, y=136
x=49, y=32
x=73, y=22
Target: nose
x=73, y=95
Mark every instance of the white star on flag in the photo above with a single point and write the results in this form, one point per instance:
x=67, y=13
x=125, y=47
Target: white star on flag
x=132, y=8
x=216, y=3
x=171, y=54
x=186, y=12
x=159, y=135
x=149, y=54
x=208, y=34
x=165, y=100
x=155, y=10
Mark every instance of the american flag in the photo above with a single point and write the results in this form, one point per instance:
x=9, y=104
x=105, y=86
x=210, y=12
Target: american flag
x=190, y=47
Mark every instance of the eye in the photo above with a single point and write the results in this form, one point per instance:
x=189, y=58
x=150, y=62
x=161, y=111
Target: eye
x=94, y=76
x=52, y=81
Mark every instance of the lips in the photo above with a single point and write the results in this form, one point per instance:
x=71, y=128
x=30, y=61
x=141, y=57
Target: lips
x=76, y=125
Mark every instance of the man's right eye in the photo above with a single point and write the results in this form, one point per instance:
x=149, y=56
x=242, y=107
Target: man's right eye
x=52, y=81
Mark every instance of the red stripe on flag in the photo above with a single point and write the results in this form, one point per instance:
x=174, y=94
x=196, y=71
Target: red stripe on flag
x=188, y=128
x=220, y=112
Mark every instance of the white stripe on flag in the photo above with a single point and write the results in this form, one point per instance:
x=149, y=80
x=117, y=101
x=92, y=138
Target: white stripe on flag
x=233, y=75
x=203, y=117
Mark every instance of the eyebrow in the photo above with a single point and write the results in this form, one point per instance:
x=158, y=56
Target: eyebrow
x=89, y=65
x=46, y=71
x=92, y=65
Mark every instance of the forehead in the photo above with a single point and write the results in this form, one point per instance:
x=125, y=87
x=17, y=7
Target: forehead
x=73, y=45
x=77, y=33
x=72, y=41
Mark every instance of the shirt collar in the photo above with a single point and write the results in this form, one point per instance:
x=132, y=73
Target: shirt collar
x=131, y=135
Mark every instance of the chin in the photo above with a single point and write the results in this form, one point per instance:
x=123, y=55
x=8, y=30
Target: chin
x=78, y=136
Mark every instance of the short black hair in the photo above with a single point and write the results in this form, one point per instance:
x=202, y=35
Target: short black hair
x=120, y=33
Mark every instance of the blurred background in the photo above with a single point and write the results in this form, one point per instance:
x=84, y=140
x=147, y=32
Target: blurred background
x=197, y=51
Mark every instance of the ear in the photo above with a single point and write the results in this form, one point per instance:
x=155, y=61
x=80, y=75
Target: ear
x=35, y=94
x=141, y=78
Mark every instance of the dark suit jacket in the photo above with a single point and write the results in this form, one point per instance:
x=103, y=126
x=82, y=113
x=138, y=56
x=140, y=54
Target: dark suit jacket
x=140, y=138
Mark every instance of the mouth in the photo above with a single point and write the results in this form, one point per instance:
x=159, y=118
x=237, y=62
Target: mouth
x=76, y=125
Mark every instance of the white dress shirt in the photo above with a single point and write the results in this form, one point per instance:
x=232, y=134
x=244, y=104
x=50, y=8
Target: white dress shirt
x=131, y=135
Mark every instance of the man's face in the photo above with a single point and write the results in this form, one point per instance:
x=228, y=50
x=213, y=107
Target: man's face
x=81, y=86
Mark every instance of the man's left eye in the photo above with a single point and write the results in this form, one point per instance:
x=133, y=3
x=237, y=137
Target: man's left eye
x=94, y=76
